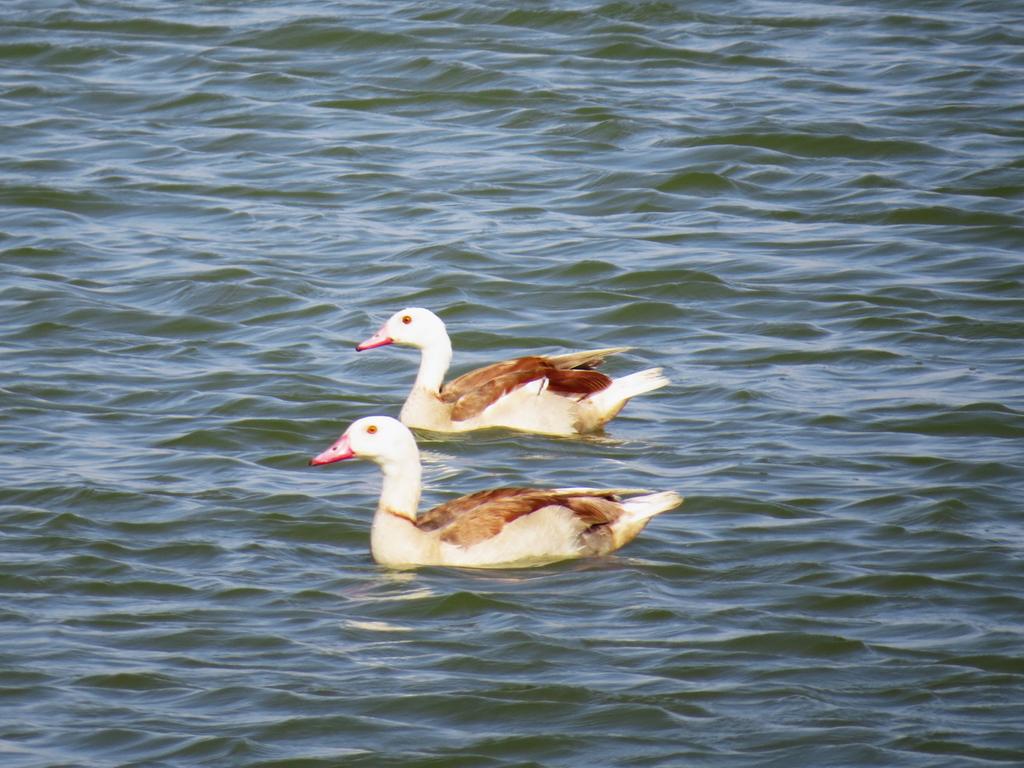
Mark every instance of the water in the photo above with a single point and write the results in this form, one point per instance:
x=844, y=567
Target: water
x=809, y=214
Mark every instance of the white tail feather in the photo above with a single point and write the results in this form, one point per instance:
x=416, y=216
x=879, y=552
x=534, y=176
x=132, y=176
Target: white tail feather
x=644, y=507
x=609, y=402
x=636, y=512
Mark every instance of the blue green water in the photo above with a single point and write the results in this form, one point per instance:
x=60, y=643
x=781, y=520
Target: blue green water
x=811, y=215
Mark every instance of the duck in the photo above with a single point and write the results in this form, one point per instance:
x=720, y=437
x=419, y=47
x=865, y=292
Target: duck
x=559, y=395
x=496, y=528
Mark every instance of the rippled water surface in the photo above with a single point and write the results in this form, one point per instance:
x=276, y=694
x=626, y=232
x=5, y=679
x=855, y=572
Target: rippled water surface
x=809, y=214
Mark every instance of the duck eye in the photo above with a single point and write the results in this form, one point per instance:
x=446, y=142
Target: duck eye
x=406, y=319
x=372, y=429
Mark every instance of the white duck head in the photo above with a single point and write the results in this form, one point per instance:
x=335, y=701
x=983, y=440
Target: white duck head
x=389, y=444
x=380, y=439
x=411, y=327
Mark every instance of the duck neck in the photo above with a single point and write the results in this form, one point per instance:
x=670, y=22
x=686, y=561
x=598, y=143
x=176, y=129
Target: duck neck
x=400, y=491
x=434, y=361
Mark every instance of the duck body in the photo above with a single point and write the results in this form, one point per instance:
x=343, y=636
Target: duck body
x=554, y=395
x=548, y=533
x=529, y=407
x=502, y=527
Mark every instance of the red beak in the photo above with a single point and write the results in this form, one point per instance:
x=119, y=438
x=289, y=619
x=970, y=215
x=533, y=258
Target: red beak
x=379, y=339
x=337, y=452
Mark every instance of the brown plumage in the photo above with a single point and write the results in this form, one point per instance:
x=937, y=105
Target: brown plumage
x=479, y=516
x=470, y=394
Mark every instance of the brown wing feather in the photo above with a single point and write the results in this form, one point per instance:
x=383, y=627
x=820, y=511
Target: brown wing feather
x=450, y=511
x=533, y=367
x=577, y=382
x=584, y=360
x=594, y=510
x=473, y=392
x=473, y=402
x=479, y=516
